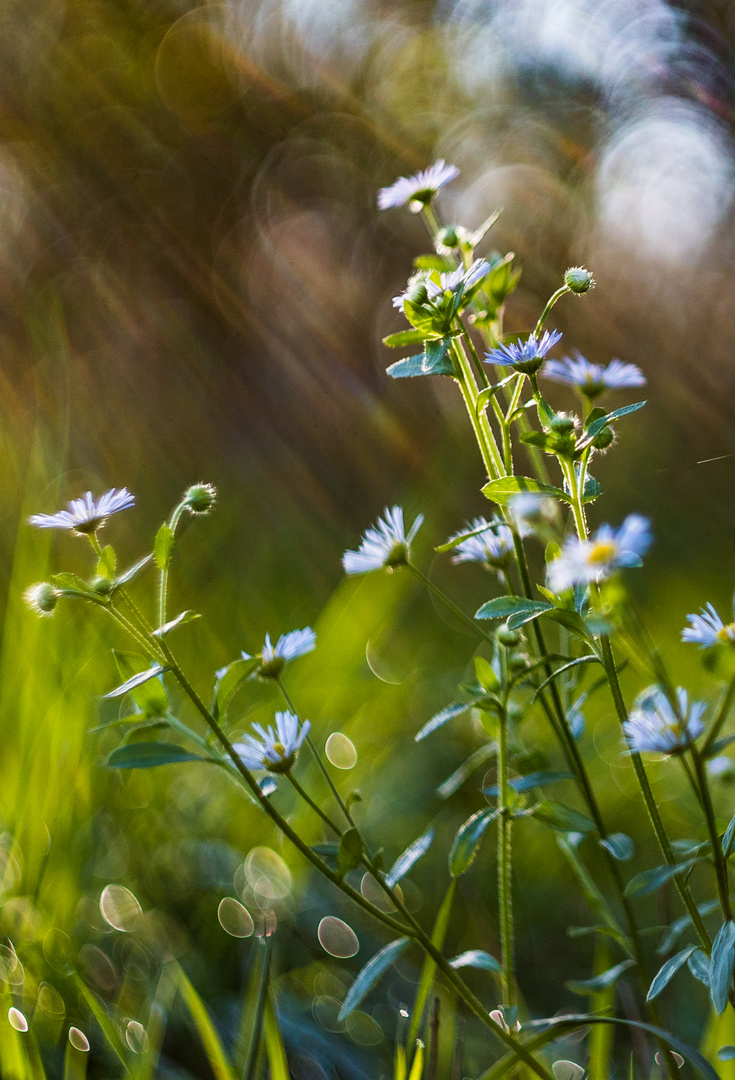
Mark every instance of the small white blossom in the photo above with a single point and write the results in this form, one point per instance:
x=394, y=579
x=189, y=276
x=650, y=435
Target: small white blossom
x=85, y=515
x=655, y=726
x=707, y=629
x=273, y=658
x=720, y=767
x=608, y=550
x=418, y=190
x=273, y=749
x=451, y=281
x=491, y=545
x=386, y=545
x=592, y=379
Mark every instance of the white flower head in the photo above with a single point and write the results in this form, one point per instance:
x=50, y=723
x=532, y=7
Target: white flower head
x=417, y=191
x=451, y=281
x=385, y=545
x=654, y=725
x=592, y=379
x=608, y=550
x=273, y=658
x=85, y=515
x=491, y=544
x=707, y=629
x=273, y=749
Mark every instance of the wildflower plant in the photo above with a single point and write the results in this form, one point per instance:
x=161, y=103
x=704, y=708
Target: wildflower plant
x=537, y=643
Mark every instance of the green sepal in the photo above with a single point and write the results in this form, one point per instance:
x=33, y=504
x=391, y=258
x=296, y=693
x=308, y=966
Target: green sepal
x=162, y=546
x=506, y=488
x=467, y=841
x=148, y=755
x=350, y=852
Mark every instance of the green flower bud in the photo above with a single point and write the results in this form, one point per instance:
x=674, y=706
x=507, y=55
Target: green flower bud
x=103, y=586
x=562, y=424
x=509, y=638
x=603, y=439
x=200, y=498
x=42, y=598
x=448, y=238
x=416, y=291
x=579, y=279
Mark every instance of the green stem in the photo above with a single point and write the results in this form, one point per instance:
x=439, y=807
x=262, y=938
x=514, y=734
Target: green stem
x=723, y=887
x=485, y=439
x=163, y=581
x=545, y=313
x=310, y=802
x=505, y=897
x=722, y=715
x=317, y=756
x=479, y=366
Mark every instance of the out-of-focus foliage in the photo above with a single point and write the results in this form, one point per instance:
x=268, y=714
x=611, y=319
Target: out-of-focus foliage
x=194, y=283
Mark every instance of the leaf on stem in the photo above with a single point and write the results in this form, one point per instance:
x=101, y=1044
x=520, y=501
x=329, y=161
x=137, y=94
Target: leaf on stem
x=180, y=620
x=410, y=856
x=585, y=987
x=721, y=965
x=149, y=755
x=507, y=487
x=350, y=852
x=563, y=818
x=666, y=973
x=620, y=846
x=477, y=958
x=163, y=546
x=467, y=841
x=530, y=781
x=442, y=718
x=434, y=360
x=651, y=880
x=370, y=975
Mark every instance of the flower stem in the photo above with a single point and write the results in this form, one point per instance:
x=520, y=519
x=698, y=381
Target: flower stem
x=723, y=887
x=505, y=898
x=722, y=715
x=314, y=806
x=163, y=581
x=545, y=313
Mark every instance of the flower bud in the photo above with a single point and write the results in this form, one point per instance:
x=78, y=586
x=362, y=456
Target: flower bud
x=200, y=498
x=103, y=586
x=42, y=598
x=579, y=279
x=603, y=439
x=447, y=238
x=562, y=424
x=416, y=291
x=507, y=637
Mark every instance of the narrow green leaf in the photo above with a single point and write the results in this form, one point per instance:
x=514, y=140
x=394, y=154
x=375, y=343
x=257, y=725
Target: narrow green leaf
x=135, y=681
x=507, y=487
x=652, y=880
x=721, y=965
x=180, y=620
x=465, y=770
x=229, y=680
x=107, y=563
x=211, y=1041
x=728, y=838
x=410, y=856
x=432, y=262
x=476, y=958
x=698, y=964
x=404, y=337
x=148, y=755
x=428, y=968
x=486, y=675
x=107, y=1027
x=579, y=662
x=726, y=1053
x=530, y=781
x=134, y=570
x=370, y=975
x=467, y=840
x=567, y=1070
x=666, y=973
x=596, y=426
x=276, y=1051
x=442, y=718
x=163, y=546
x=350, y=851
x=505, y=606
x=620, y=846
x=564, y=818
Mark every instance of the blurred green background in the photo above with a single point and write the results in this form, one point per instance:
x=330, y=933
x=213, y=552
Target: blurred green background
x=194, y=284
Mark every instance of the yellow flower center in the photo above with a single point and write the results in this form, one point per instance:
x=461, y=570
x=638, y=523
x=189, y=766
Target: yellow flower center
x=602, y=552
x=727, y=633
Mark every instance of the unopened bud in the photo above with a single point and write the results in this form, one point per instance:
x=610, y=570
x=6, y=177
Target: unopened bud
x=416, y=292
x=562, y=424
x=448, y=238
x=200, y=498
x=507, y=637
x=42, y=598
x=603, y=439
x=579, y=279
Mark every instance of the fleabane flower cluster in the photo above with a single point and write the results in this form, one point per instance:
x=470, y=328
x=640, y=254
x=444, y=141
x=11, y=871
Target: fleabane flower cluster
x=85, y=515
x=491, y=544
x=417, y=191
x=385, y=545
x=707, y=629
x=526, y=356
x=274, y=749
x=593, y=379
x=584, y=561
x=273, y=658
x=655, y=726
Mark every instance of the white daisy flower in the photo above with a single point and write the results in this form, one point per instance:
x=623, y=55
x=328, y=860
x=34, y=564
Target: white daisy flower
x=492, y=544
x=655, y=726
x=608, y=550
x=274, y=750
x=85, y=515
x=707, y=629
x=418, y=190
x=273, y=658
x=386, y=545
x=451, y=281
x=592, y=379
